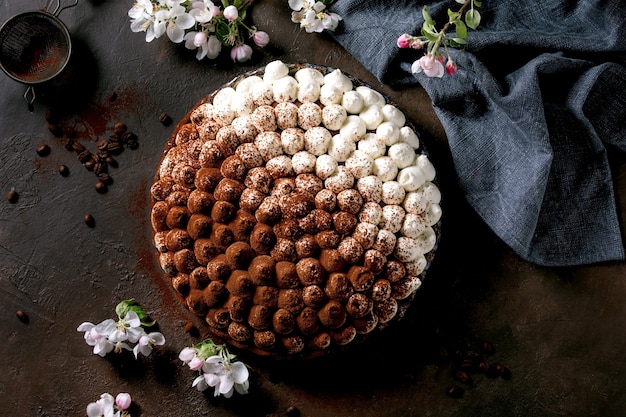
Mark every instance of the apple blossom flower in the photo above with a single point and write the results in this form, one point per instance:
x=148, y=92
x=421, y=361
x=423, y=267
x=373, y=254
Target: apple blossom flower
x=204, y=11
x=231, y=13
x=311, y=16
x=102, y=407
x=187, y=354
x=128, y=328
x=432, y=67
x=176, y=20
x=147, y=342
x=217, y=367
x=261, y=38
x=226, y=376
x=111, y=335
x=123, y=400
x=241, y=53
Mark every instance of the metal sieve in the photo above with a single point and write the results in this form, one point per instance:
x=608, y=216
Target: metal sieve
x=35, y=47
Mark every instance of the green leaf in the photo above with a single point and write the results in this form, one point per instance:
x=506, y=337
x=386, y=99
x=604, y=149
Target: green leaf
x=477, y=3
x=221, y=32
x=472, y=18
x=427, y=18
x=207, y=349
x=452, y=16
x=225, y=3
x=461, y=29
x=458, y=41
x=242, y=14
x=432, y=37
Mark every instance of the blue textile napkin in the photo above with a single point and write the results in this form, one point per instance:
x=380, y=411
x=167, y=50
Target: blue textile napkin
x=538, y=102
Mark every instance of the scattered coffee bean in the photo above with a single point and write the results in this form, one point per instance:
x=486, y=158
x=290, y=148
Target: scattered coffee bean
x=101, y=187
x=120, y=128
x=64, y=170
x=43, y=150
x=51, y=116
x=165, y=119
x=488, y=348
x=102, y=144
x=12, y=196
x=55, y=130
x=22, y=316
x=84, y=156
x=133, y=144
x=115, y=148
x=292, y=411
x=503, y=371
x=128, y=136
x=105, y=178
x=455, y=392
x=111, y=162
x=89, y=220
x=463, y=377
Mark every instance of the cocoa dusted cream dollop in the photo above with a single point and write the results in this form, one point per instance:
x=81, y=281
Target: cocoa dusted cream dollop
x=295, y=211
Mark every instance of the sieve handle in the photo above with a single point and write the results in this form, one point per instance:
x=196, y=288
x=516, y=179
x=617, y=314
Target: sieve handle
x=59, y=9
x=29, y=96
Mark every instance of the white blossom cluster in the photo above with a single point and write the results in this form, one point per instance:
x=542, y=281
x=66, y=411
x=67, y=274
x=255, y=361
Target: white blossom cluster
x=219, y=370
x=313, y=15
x=200, y=24
x=107, y=406
x=110, y=335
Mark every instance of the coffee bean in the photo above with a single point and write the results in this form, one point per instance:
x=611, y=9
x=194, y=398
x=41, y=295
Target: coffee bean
x=55, y=130
x=191, y=329
x=89, y=220
x=503, y=371
x=64, y=170
x=115, y=148
x=51, y=116
x=292, y=411
x=102, y=144
x=84, y=156
x=484, y=367
x=165, y=119
x=455, y=392
x=463, y=377
x=78, y=147
x=43, y=150
x=22, y=316
x=120, y=128
x=111, y=162
x=468, y=365
x=101, y=187
x=105, y=178
x=12, y=196
x=488, y=348
x=128, y=136
x=132, y=144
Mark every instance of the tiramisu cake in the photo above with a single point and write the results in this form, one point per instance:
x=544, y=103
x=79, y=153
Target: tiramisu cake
x=294, y=210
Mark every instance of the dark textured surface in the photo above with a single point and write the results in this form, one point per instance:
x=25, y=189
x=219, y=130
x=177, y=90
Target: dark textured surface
x=559, y=331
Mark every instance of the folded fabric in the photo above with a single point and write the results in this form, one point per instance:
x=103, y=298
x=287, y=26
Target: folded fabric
x=538, y=102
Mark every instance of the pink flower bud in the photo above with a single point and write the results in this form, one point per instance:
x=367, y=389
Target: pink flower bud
x=261, y=38
x=451, y=67
x=123, y=400
x=199, y=39
x=241, y=53
x=231, y=13
x=404, y=41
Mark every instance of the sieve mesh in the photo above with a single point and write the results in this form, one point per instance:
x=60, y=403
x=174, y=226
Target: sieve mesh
x=34, y=47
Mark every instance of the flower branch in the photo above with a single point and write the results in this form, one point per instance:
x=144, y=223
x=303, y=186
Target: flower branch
x=435, y=62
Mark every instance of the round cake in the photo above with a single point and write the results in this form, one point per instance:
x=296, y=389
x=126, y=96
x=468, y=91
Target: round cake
x=295, y=210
